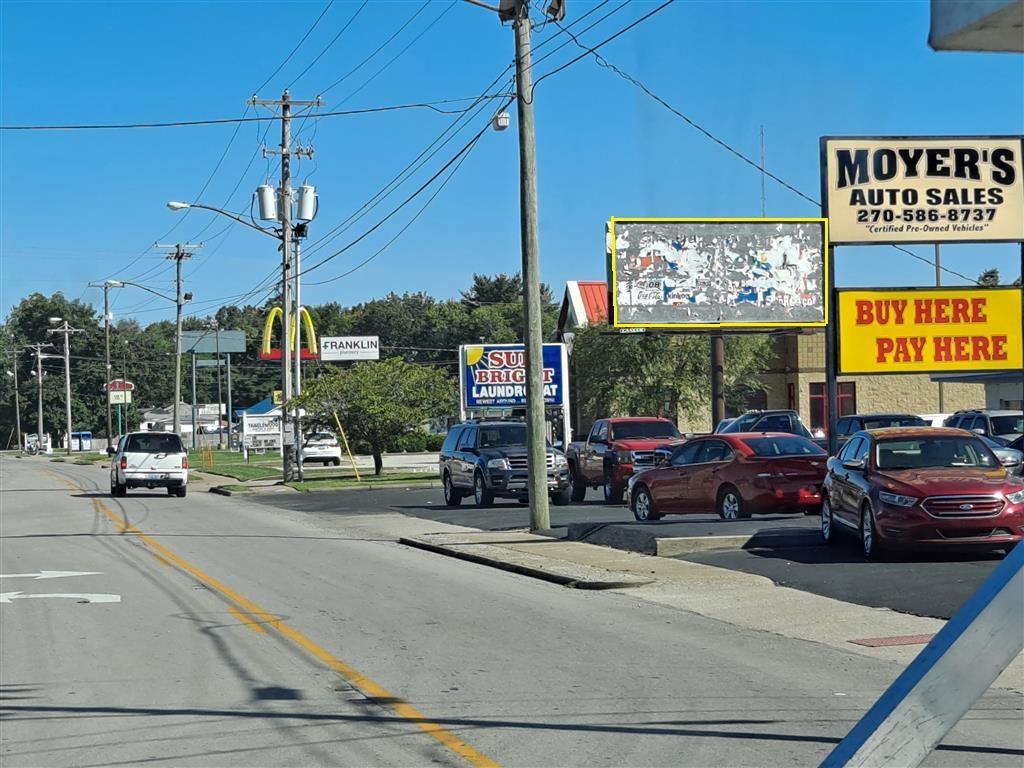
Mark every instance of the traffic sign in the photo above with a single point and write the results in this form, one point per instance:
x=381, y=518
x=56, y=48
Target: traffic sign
x=119, y=396
x=120, y=385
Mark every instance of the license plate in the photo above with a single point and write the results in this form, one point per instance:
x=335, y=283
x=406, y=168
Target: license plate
x=156, y=477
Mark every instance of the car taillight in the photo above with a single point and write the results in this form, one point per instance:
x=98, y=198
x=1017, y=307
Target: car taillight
x=184, y=462
x=124, y=462
x=332, y=445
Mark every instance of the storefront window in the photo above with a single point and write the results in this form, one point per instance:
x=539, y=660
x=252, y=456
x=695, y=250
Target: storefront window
x=819, y=411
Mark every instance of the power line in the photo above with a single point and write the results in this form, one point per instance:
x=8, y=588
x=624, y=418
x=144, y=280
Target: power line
x=328, y=46
x=298, y=45
x=602, y=61
x=379, y=48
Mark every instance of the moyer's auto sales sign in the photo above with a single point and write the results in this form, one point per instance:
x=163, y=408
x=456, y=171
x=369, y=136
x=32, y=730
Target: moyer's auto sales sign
x=915, y=330
x=923, y=189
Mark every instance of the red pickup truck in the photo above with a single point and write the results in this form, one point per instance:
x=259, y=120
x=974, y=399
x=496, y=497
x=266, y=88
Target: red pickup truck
x=614, y=450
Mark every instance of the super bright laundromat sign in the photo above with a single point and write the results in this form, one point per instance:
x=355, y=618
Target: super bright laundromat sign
x=494, y=375
x=930, y=331
x=923, y=189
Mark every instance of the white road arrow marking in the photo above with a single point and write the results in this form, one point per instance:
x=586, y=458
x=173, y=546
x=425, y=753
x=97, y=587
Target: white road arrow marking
x=6, y=597
x=48, y=574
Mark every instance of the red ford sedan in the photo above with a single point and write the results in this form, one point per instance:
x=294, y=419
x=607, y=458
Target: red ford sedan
x=909, y=486
x=735, y=475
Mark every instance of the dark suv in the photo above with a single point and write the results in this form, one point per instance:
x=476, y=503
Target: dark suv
x=1002, y=426
x=771, y=421
x=487, y=459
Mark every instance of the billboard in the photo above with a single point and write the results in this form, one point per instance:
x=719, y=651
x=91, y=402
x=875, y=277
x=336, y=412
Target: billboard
x=209, y=341
x=923, y=189
x=341, y=348
x=717, y=273
x=494, y=376
x=929, y=330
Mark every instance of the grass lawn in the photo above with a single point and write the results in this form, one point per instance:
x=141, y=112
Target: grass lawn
x=231, y=464
x=337, y=480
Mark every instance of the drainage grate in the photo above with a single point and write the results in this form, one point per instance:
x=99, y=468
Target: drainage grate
x=879, y=642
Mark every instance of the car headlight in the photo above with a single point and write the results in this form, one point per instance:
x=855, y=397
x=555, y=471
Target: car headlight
x=497, y=463
x=1016, y=497
x=897, y=500
x=625, y=456
x=561, y=461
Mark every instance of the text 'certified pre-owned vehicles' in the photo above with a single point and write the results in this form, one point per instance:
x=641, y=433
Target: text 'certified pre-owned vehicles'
x=614, y=450
x=487, y=459
x=148, y=460
x=926, y=486
x=733, y=475
x=321, y=446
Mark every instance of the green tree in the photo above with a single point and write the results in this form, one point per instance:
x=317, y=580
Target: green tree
x=377, y=401
x=990, y=279
x=660, y=374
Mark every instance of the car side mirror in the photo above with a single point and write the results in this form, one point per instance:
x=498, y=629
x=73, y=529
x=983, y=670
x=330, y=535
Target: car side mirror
x=854, y=464
x=978, y=431
x=1010, y=461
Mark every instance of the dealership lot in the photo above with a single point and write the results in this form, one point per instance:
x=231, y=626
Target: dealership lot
x=925, y=583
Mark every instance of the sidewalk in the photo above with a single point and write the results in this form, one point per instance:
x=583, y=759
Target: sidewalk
x=737, y=598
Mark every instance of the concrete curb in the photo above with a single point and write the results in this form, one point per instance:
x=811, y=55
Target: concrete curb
x=378, y=486
x=559, y=572
x=643, y=539
x=221, y=490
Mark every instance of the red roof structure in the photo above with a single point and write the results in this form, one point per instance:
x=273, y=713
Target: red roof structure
x=585, y=303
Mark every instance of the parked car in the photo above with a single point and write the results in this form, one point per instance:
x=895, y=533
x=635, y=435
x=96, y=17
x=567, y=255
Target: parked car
x=935, y=419
x=321, y=446
x=772, y=421
x=1005, y=426
x=921, y=486
x=148, y=460
x=720, y=426
x=850, y=425
x=735, y=475
x=614, y=450
x=1012, y=459
x=487, y=460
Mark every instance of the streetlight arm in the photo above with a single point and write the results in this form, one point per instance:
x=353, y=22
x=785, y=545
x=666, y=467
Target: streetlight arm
x=239, y=219
x=150, y=290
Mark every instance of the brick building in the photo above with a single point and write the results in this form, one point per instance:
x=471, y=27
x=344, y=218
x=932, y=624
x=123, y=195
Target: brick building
x=795, y=377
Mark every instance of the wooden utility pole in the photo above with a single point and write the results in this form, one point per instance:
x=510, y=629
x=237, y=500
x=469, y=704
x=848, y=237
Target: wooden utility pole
x=532, y=311
x=66, y=330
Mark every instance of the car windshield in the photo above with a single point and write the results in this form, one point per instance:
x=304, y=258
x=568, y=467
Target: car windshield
x=498, y=436
x=933, y=452
x=783, y=446
x=153, y=443
x=1007, y=425
x=882, y=422
x=628, y=430
x=742, y=423
x=320, y=437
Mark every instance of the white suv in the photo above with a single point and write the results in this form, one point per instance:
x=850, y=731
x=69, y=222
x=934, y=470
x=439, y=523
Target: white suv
x=321, y=446
x=149, y=460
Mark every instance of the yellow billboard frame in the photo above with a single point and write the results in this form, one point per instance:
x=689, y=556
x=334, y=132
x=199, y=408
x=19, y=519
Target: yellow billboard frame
x=613, y=292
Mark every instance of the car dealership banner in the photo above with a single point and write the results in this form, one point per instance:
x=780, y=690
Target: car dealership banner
x=930, y=330
x=494, y=376
x=882, y=190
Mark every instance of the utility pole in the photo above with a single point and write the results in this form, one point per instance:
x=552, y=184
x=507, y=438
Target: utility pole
x=180, y=253
x=289, y=425
x=532, y=311
x=38, y=350
x=17, y=397
x=216, y=335
x=717, y=379
x=231, y=413
x=297, y=382
x=106, y=344
x=194, y=427
x=66, y=330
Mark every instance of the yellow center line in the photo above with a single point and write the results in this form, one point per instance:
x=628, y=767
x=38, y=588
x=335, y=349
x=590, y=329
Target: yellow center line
x=248, y=611
x=249, y=622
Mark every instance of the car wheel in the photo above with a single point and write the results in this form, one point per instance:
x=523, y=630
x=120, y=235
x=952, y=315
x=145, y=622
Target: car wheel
x=482, y=496
x=172, y=492
x=327, y=463
x=730, y=504
x=612, y=491
x=118, y=490
x=180, y=492
x=452, y=496
x=869, y=543
x=336, y=462
x=524, y=502
x=643, y=505
x=561, y=498
x=828, y=531
x=579, y=486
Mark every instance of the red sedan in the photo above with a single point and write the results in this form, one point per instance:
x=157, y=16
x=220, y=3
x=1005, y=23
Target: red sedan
x=735, y=475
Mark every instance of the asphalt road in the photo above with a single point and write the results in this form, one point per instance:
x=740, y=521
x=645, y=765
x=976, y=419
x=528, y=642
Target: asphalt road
x=236, y=633
x=923, y=583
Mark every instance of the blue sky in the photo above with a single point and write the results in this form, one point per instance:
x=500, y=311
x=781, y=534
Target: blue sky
x=81, y=206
